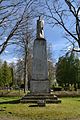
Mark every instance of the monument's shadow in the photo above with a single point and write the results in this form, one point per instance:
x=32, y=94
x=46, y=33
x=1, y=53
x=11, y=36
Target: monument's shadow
x=11, y=102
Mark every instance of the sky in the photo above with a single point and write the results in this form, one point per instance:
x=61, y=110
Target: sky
x=53, y=36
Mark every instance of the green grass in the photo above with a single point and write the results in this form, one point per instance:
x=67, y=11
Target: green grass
x=68, y=109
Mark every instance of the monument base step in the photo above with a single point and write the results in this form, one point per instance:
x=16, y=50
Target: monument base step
x=35, y=98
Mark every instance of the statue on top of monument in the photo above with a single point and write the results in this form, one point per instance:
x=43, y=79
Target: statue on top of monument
x=40, y=26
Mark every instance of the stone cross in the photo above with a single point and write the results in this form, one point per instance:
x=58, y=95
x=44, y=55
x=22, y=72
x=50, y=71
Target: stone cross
x=40, y=26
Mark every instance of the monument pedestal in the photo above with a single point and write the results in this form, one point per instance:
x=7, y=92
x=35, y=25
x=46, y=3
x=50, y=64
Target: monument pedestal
x=39, y=83
x=39, y=87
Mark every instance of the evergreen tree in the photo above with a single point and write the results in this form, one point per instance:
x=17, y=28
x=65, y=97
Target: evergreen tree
x=6, y=77
x=67, y=70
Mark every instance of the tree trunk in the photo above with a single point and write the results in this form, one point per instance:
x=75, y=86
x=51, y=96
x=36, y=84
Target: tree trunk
x=25, y=70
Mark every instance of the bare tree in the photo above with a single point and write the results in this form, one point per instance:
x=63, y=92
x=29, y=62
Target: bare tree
x=24, y=37
x=11, y=16
x=17, y=26
x=66, y=15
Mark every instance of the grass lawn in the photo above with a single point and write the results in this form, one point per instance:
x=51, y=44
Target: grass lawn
x=69, y=109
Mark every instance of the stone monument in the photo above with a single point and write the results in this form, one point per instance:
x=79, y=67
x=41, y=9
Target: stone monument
x=39, y=83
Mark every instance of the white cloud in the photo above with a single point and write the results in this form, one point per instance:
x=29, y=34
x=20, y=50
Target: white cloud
x=6, y=51
x=77, y=49
x=14, y=59
x=69, y=48
x=79, y=14
x=9, y=61
x=5, y=37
